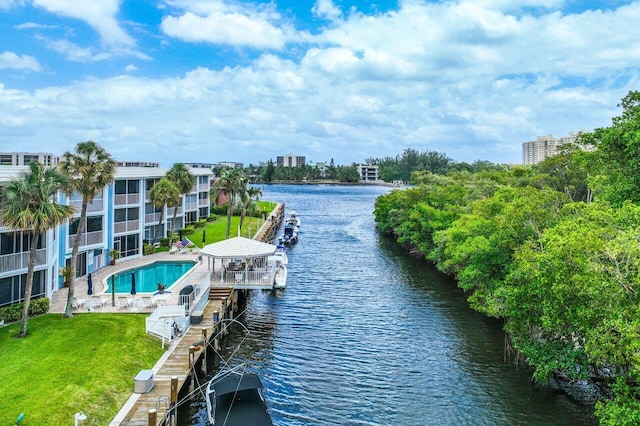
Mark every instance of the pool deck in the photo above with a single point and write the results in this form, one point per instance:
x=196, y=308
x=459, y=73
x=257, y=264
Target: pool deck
x=59, y=298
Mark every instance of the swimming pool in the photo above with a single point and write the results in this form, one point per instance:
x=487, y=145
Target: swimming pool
x=148, y=276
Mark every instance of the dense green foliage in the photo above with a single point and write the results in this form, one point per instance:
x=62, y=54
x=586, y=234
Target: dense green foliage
x=552, y=250
x=306, y=173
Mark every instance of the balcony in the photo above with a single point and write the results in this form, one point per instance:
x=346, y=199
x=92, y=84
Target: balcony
x=203, y=187
x=96, y=206
x=191, y=206
x=124, y=227
x=124, y=199
x=88, y=239
x=170, y=211
x=203, y=203
x=18, y=261
x=152, y=218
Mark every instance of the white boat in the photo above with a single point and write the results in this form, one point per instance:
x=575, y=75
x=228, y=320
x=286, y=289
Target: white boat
x=234, y=397
x=280, y=255
x=281, y=276
x=293, y=219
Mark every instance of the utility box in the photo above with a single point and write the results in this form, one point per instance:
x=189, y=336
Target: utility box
x=196, y=317
x=143, y=381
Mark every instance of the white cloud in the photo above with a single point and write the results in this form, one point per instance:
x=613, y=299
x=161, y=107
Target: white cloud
x=34, y=25
x=472, y=82
x=326, y=9
x=9, y=60
x=131, y=68
x=99, y=14
x=225, y=28
x=216, y=22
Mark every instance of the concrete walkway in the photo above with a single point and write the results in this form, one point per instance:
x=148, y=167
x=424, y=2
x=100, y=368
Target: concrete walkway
x=59, y=298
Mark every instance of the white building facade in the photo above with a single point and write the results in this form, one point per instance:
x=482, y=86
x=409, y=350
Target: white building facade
x=121, y=217
x=544, y=147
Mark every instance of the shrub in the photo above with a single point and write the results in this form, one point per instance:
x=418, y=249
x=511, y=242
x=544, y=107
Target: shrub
x=164, y=242
x=149, y=249
x=201, y=223
x=212, y=218
x=13, y=313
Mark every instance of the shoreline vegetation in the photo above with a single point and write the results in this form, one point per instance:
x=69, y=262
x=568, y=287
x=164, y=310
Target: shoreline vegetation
x=552, y=251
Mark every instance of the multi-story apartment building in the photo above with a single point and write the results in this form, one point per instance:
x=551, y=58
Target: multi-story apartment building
x=121, y=217
x=290, y=160
x=24, y=158
x=544, y=147
x=368, y=173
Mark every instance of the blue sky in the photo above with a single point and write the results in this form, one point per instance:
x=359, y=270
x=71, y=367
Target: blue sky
x=230, y=80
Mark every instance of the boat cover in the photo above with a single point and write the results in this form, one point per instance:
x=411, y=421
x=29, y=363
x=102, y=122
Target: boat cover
x=237, y=382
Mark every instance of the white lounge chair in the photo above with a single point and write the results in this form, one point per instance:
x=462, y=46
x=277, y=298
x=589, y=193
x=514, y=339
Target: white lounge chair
x=95, y=301
x=147, y=302
x=123, y=302
x=77, y=303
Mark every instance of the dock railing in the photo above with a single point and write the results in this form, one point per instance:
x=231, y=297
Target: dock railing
x=161, y=321
x=192, y=300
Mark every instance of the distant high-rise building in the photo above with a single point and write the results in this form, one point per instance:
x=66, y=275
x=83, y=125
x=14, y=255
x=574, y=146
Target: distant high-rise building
x=544, y=147
x=290, y=160
x=24, y=158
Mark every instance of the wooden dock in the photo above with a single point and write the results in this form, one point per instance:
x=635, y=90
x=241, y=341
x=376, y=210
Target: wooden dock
x=177, y=361
x=174, y=363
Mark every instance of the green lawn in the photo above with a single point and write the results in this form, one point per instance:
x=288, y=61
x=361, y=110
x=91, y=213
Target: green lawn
x=217, y=230
x=85, y=363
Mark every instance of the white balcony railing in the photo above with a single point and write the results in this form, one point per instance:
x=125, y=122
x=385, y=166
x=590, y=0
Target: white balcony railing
x=123, y=199
x=17, y=261
x=170, y=211
x=191, y=206
x=152, y=218
x=88, y=239
x=203, y=203
x=128, y=226
x=96, y=206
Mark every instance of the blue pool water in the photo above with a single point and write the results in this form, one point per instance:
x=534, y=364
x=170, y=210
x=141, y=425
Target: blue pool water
x=147, y=277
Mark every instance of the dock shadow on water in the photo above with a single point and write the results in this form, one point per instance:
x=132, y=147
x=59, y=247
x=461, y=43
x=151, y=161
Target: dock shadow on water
x=366, y=334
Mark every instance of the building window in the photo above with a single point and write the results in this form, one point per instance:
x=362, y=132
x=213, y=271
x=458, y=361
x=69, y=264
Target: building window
x=6, y=160
x=17, y=242
x=129, y=245
x=127, y=187
x=125, y=215
x=12, y=288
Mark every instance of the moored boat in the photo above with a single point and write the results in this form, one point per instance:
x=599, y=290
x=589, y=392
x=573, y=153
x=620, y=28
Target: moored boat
x=280, y=280
x=234, y=397
x=293, y=219
x=289, y=235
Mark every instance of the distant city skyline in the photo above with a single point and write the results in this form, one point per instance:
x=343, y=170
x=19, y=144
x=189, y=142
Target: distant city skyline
x=246, y=81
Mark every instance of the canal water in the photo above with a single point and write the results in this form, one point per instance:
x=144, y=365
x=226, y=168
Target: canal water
x=365, y=334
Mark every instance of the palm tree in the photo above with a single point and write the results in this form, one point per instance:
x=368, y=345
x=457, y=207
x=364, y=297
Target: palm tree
x=164, y=193
x=254, y=193
x=88, y=170
x=228, y=183
x=180, y=175
x=29, y=204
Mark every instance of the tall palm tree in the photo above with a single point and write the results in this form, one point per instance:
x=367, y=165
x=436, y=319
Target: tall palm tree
x=88, y=170
x=254, y=194
x=164, y=193
x=180, y=175
x=228, y=183
x=29, y=204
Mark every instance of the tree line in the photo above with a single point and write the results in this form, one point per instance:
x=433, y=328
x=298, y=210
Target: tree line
x=553, y=250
